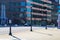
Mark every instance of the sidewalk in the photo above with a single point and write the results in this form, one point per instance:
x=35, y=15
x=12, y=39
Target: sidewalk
x=37, y=34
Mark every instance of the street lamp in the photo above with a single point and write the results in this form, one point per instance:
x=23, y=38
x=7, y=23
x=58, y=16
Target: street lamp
x=46, y=20
x=31, y=19
x=10, y=33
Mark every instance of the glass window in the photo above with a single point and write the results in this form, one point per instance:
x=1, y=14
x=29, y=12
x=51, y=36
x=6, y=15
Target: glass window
x=12, y=9
x=58, y=6
x=21, y=15
x=28, y=15
x=22, y=3
x=28, y=4
x=28, y=10
x=14, y=4
x=17, y=4
x=58, y=10
x=22, y=9
x=17, y=9
x=38, y=1
x=35, y=0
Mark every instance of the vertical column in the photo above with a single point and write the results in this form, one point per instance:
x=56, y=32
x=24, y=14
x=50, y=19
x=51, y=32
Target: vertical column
x=58, y=21
x=3, y=14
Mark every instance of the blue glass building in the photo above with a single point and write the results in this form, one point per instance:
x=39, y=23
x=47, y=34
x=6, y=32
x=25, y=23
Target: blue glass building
x=19, y=12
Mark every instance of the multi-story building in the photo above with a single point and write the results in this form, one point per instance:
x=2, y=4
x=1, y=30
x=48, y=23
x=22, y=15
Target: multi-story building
x=55, y=4
x=41, y=12
x=15, y=10
x=44, y=12
x=21, y=11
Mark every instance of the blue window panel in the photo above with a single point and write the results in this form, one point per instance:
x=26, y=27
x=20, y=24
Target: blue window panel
x=28, y=15
x=58, y=6
x=30, y=0
x=28, y=4
x=58, y=10
x=22, y=9
x=28, y=10
x=17, y=4
x=56, y=0
x=17, y=9
x=23, y=4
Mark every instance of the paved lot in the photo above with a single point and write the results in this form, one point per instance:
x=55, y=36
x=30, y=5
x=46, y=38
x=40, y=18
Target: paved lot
x=24, y=33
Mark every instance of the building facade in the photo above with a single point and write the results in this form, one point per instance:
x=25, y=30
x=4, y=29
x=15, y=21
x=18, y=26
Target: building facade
x=15, y=10
x=41, y=12
x=55, y=4
x=21, y=11
x=44, y=12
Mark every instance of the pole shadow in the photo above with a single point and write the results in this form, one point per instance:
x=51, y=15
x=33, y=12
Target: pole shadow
x=43, y=33
x=15, y=37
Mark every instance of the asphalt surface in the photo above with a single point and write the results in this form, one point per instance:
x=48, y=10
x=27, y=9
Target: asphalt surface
x=24, y=33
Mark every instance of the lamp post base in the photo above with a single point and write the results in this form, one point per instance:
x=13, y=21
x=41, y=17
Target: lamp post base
x=46, y=28
x=31, y=30
x=10, y=33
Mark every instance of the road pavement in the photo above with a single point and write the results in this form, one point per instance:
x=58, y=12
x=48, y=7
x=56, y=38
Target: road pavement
x=24, y=33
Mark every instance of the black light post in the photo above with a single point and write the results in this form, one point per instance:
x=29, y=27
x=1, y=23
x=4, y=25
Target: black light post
x=46, y=20
x=46, y=27
x=31, y=19
x=10, y=33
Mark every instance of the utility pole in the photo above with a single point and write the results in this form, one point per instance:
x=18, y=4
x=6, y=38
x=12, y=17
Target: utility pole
x=31, y=19
x=46, y=20
x=10, y=33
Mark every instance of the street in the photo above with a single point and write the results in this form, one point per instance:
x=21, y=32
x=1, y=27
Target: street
x=24, y=33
